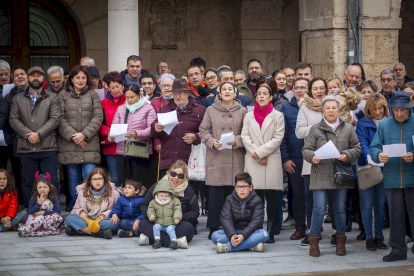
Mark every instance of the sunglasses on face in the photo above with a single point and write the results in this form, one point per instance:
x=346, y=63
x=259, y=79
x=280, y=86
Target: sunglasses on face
x=178, y=175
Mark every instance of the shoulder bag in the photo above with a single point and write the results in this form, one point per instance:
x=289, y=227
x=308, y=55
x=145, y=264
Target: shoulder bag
x=135, y=147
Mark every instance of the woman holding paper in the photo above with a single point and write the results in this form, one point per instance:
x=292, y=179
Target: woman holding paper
x=224, y=116
x=322, y=179
x=140, y=117
x=262, y=135
x=376, y=111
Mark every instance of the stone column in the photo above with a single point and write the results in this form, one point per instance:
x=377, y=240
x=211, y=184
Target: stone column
x=123, y=34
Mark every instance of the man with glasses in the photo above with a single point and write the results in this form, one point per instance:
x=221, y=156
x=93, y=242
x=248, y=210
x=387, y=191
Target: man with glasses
x=162, y=68
x=388, y=80
x=290, y=78
x=149, y=86
x=55, y=74
x=254, y=72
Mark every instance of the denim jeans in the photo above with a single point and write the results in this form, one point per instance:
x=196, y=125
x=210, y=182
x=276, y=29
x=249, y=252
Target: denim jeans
x=76, y=174
x=373, y=197
x=279, y=212
x=170, y=230
x=254, y=239
x=47, y=161
x=320, y=201
x=14, y=222
x=113, y=169
x=126, y=224
x=308, y=201
x=77, y=223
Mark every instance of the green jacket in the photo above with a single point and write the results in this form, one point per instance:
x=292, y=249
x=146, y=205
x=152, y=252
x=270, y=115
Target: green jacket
x=245, y=90
x=166, y=214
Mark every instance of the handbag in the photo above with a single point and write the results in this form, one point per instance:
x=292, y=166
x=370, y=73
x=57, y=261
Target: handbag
x=369, y=176
x=136, y=147
x=197, y=163
x=344, y=174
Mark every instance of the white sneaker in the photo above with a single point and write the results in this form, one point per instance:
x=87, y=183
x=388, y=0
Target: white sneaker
x=258, y=248
x=222, y=248
x=182, y=242
x=288, y=223
x=143, y=240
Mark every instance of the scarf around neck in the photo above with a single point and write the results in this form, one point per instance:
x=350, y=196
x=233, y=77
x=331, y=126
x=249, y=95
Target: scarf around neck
x=116, y=99
x=169, y=98
x=333, y=126
x=98, y=193
x=159, y=202
x=132, y=108
x=260, y=114
x=179, y=190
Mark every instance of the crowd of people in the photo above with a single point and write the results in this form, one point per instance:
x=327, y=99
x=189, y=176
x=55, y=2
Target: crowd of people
x=60, y=139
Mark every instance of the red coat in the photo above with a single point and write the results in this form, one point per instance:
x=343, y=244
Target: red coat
x=109, y=108
x=9, y=204
x=173, y=147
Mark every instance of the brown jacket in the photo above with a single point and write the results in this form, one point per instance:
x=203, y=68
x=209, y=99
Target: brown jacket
x=345, y=140
x=43, y=117
x=223, y=165
x=80, y=113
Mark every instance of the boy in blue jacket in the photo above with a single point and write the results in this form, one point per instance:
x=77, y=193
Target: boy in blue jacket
x=127, y=209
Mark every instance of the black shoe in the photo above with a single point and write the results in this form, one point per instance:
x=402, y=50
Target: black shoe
x=195, y=230
x=106, y=234
x=71, y=232
x=327, y=219
x=348, y=225
x=333, y=240
x=370, y=245
x=212, y=230
x=124, y=234
x=362, y=236
x=276, y=232
x=386, y=223
x=173, y=245
x=156, y=244
x=68, y=208
x=392, y=257
x=271, y=231
x=305, y=241
x=380, y=243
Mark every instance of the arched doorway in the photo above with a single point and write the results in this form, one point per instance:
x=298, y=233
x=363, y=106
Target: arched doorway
x=38, y=33
x=406, y=37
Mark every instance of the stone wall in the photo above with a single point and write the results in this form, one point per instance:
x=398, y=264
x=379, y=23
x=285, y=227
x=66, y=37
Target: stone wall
x=406, y=36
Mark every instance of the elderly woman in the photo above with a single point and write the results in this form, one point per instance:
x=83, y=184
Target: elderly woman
x=78, y=141
x=114, y=98
x=322, y=180
x=222, y=165
x=138, y=115
x=177, y=175
x=262, y=135
x=376, y=110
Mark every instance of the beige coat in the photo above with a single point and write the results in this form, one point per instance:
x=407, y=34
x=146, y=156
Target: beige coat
x=309, y=114
x=223, y=165
x=265, y=142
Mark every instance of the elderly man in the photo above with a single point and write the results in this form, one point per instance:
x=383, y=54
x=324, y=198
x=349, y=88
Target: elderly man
x=388, y=81
x=352, y=76
x=87, y=61
x=56, y=79
x=4, y=74
x=239, y=77
x=254, y=72
x=401, y=74
x=399, y=172
x=35, y=116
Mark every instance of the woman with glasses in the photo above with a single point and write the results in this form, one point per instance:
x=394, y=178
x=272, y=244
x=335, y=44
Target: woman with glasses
x=263, y=131
x=96, y=83
x=96, y=198
x=177, y=175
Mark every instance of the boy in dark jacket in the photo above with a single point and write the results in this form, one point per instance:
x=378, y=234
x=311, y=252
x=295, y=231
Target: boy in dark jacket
x=127, y=209
x=242, y=219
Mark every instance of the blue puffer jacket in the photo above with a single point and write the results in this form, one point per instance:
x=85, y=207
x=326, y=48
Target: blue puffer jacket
x=291, y=147
x=397, y=172
x=365, y=131
x=129, y=207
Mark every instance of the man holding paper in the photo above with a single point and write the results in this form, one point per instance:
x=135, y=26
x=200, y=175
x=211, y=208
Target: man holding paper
x=396, y=132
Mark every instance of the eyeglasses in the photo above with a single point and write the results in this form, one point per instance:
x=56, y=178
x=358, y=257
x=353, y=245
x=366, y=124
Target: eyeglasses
x=239, y=188
x=167, y=86
x=4, y=74
x=178, y=175
x=147, y=83
x=94, y=79
x=163, y=67
x=253, y=68
x=97, y=179
x=211, y=78
x=387, y=80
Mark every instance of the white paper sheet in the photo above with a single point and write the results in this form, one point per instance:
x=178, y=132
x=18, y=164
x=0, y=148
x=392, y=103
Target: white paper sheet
x=101, y=93
x=7, y=88
x=169, y=120
x=327, y=151
x=224, y=139
x=394, y=150
x=250, y=108
x=118, y=131
x=2, y=139
x=373, y=163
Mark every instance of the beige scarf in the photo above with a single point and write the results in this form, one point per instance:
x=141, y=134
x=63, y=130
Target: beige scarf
x=162, y=203
x=179, y=190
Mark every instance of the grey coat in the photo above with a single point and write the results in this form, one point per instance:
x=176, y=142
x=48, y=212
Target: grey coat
x=345, y=140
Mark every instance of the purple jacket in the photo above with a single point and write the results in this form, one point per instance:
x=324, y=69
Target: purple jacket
x=140, y=122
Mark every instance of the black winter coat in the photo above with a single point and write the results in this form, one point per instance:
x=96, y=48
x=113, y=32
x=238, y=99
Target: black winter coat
x=246, y=215
x=189, y=204
x=4, y=112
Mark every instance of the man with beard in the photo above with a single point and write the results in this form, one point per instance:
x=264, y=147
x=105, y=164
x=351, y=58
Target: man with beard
x=388, y=81
x=35, y=116
x=254, y=71
x=56, y=79
x=4, y=74
x=133, y=70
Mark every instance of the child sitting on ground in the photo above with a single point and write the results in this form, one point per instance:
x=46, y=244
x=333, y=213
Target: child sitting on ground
x=242, y=219
x=165, y=211
x=127, y=209
x=44, y=210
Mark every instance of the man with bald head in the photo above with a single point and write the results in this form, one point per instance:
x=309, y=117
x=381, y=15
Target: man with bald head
x=352, y=76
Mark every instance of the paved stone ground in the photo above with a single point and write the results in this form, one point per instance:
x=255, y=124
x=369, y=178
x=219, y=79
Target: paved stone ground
x=63, y=255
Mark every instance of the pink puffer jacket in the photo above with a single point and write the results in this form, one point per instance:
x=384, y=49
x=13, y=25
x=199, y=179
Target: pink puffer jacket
x=140, y=121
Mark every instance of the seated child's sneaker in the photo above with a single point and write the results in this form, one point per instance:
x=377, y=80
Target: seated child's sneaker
x=257, y=248
x=173, y=244
x=71, y=232
x=222, y=248
x=182, y=242
x=156, y=244
x=143, y=240
x=123, y=234
x=106, y=234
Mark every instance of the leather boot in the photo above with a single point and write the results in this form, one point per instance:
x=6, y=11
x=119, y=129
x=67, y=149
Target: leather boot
x=340, y=247
x=314, y=247
x=270, y=230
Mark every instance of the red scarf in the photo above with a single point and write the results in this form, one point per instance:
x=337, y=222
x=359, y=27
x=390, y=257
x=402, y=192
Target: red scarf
x=260, y=114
